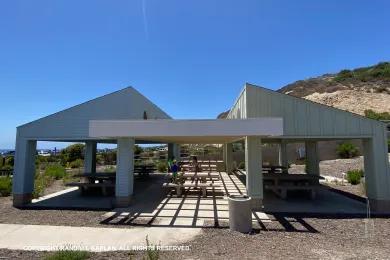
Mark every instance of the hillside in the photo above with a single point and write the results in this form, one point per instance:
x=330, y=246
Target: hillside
x=357, y=90
x=352, y=90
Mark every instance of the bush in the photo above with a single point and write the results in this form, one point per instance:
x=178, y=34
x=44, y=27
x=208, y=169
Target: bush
x=9, y=161
x=68, y=255
x=7, y=168
x=72, y=153
x=55, y=171
x=41, y=182
x=241, y=166
x=354, y=176
x=377, y=115
x=162, y=167
x=5, y=186
x=152, y=252
x=380, y=71
x=347, y=150
x=76, y=164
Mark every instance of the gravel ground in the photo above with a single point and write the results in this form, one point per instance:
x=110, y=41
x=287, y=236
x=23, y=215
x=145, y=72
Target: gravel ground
x=329, y=239
x=334, y=168
x=57, y=185
x=11, y=215
x=354, y=189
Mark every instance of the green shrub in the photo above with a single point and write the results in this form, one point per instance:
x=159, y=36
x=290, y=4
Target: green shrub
x=7, y=168
x=343, y=75
x=55, y=171
x=347, y=150
x=162, y=167
x=377, y=115
x=72, y=153
x=9, y=161
x=5, y=186
x=152, y=252
x=241, y=166
x=68, y=255
x=40, y=183
x=380, y=71
x=76, y=164
x=354, y=176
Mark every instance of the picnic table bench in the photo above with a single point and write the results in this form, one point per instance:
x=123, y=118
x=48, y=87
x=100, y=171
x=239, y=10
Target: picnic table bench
x=274, y=169
x=280, y=184
x=203, y=176
x=179, y=187
x=97, y=176
x=84, y=186
x=144, y=169
x=101, y=180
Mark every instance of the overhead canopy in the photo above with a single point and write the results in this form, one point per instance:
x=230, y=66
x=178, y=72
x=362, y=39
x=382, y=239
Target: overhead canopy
x=186, y=131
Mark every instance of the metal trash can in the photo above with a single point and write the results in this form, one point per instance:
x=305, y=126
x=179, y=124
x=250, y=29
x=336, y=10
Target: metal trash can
x=240, y=213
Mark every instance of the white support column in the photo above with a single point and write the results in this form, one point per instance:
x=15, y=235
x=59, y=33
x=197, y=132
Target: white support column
x=124, y=172
x=173, y=151
x=254, y=175
x=312, y=161
x=90, y=157
x=170, y=151
x=176, y=151
x=24, y=171
x=229, y=157
x=377, y=171
x=283, y=159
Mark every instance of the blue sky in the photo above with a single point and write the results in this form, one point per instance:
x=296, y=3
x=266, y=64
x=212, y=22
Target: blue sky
x=189, y=57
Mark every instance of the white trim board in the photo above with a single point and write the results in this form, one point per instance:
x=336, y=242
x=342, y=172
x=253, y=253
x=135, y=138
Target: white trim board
x=218, y=129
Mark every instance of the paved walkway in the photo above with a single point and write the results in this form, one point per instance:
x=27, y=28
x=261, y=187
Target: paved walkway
x=52, y=238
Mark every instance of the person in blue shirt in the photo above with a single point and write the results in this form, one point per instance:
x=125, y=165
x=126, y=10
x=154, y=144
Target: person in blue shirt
x=174, y=170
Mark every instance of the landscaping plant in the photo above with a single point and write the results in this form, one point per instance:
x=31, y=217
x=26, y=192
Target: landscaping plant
x=68, y=255
x=347, y=150
x=354, y=176
x=162, y=167
x=78, y=163
x=5, y=186
x=241, y=166
x=40, y=183
x=152, y=252
x=55, y=171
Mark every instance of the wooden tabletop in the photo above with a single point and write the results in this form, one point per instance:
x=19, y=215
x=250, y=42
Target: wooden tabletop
x=292, y=177
x=97, y=175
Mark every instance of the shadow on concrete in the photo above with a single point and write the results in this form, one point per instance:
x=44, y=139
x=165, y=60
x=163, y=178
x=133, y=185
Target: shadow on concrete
x=193, y=211
x=329, y=203
x=95, y=201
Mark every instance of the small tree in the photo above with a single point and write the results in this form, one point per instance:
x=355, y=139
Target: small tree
x=137, y=149
x=72, y=153
x=162, y=167
x=347, y=150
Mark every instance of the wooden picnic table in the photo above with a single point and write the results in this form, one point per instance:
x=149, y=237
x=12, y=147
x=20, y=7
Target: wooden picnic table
x=295, y=178
x=281, y=183
x=201, y=175
x=105, y=182
x=144, y=170
x=274, y=169
x=98, y=176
